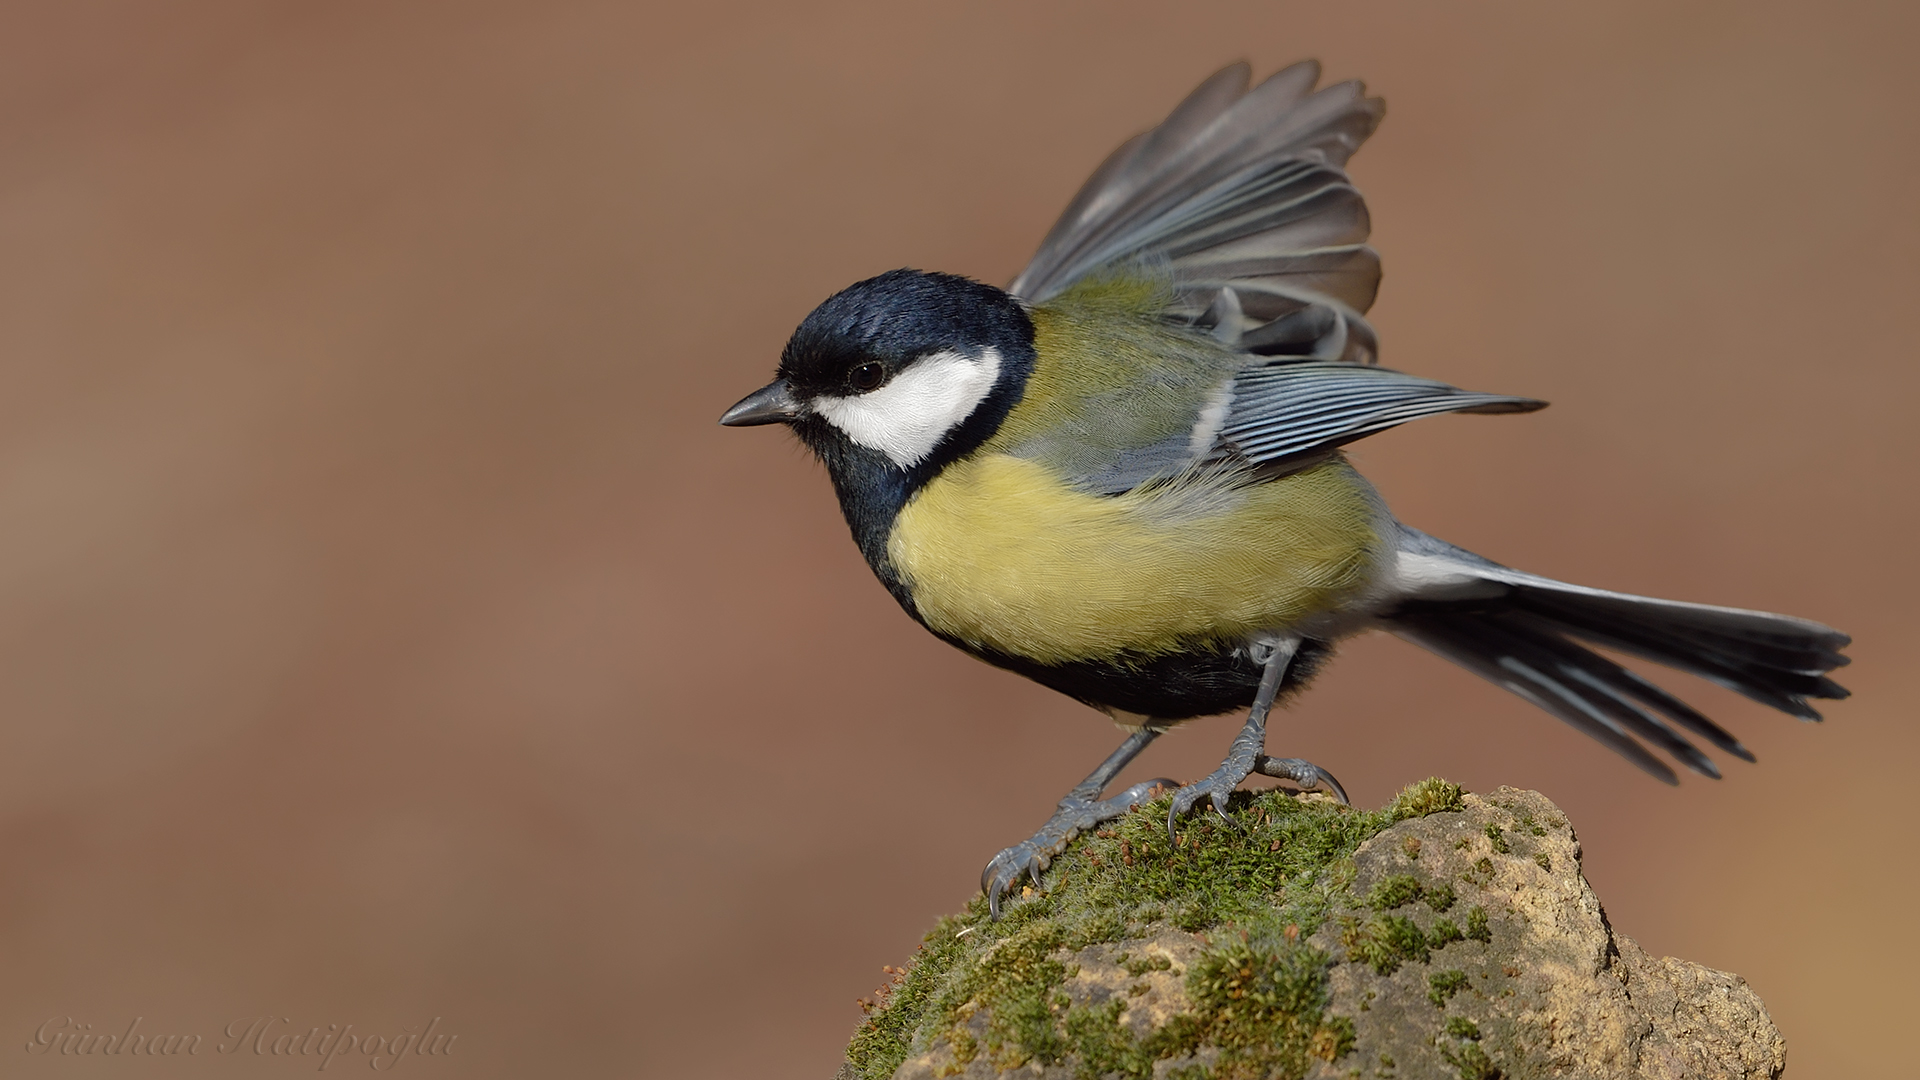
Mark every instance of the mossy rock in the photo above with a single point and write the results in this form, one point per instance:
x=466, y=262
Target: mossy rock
x=1444, y=935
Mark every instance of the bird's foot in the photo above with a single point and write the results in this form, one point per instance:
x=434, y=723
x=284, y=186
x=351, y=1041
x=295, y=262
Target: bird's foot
x=1076, y=815
x=1243, y=760
x=1304, y=774
x=1242, y=756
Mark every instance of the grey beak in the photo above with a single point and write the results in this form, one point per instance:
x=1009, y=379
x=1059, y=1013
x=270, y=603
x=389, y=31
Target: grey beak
x=771, y=404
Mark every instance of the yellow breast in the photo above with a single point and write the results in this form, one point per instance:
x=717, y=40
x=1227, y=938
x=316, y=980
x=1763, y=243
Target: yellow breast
x=999, y=553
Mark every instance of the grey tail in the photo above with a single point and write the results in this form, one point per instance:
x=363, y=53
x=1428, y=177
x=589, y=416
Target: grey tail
x=1526, y=633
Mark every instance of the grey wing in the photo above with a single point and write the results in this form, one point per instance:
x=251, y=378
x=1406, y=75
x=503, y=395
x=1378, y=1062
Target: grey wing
x=1284, y=413
x=1294, y=409
x=1242, y=196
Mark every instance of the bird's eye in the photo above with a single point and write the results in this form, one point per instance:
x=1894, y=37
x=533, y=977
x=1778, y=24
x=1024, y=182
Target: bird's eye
x=867, y=376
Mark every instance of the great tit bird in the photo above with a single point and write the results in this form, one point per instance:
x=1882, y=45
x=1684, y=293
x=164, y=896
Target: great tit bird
x=1121, y=475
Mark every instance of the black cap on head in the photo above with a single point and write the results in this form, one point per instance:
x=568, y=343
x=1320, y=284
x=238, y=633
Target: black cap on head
x=897, y=318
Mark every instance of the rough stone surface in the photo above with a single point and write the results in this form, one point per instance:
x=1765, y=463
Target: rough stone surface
x=1462, y=943
x=1554, y=992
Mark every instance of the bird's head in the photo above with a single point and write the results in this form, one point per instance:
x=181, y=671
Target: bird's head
x=902, y=373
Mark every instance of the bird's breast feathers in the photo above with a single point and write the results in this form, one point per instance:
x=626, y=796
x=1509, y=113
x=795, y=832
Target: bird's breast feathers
x=1000, y=552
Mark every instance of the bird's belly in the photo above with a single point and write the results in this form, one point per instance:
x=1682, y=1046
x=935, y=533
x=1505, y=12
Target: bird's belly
x=998, y=553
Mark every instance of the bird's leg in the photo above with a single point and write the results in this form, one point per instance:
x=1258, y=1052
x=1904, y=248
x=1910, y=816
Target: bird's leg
x=1081, y=810
x=1247, y=753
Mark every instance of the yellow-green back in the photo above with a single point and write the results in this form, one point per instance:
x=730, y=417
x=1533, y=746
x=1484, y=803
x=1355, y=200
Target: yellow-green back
x=1111, y=379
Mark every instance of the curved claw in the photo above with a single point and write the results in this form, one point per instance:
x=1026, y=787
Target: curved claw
x=1220, y=803
x=1182, y=803
x=1305, y=774
x=1216, y=787
x=1004, y=869
x=1337, y=791
x=1242, y=755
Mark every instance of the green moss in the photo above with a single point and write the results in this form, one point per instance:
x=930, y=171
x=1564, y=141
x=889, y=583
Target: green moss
x=1178, y=1037
x=1459, y=1027
x=1333, y=1039
x=891, y=1026
x=1384, y=942
x=1470, y=1062
x=1498, y=838
x=1430, y=796
x=1103, y=1045
x=1266, y=1009
x=1393, y=892
x=1399, y=890
x=1546, y=863
x=1138, y=966
x=1477, y=925
x=1273, y=872
x=1443, y=985
x=1021, y=978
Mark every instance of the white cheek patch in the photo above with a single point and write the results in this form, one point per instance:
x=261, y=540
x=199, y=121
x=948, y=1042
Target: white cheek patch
x=908, y=417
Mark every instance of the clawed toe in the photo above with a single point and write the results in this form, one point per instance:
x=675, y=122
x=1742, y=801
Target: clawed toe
x=1216, y=787
x=1075, y=816
x=1078, y=813
x=1004, y=870
x=1305, y=774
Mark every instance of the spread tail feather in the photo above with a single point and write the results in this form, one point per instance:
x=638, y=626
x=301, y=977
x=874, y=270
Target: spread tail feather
x=1517, y=630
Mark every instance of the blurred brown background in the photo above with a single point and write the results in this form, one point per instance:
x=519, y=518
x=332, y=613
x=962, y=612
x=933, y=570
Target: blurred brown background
x=387, y=631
